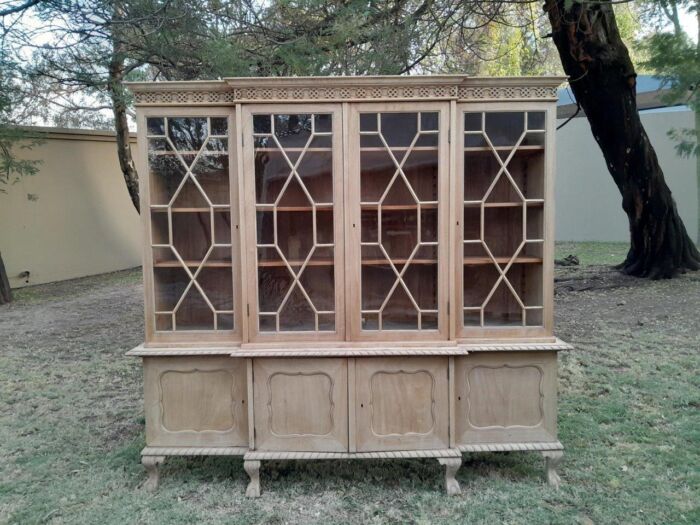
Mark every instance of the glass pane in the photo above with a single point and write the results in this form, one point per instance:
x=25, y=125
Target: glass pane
x=399, y=129
x=502, y=309
x=292, y=131
x=194, y=313
x=504, y=129
x=187, y=133
x=369, y=122
x=166, y=171
x=472, y=122
x=155, y=126
x=429, y=121
x=399, y=193
x=192, y=235
x=535, y=120
x=211, y=171
x=188, y=175
x=219, y=126
x=262, y=124
x=295, y=218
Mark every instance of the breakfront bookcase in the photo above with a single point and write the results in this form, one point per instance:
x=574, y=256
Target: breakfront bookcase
x=348, y=268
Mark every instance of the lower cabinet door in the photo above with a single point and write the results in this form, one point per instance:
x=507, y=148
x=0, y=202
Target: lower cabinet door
x=195, y=401
x=401, y=403
x=506, y=397
x=301, y=404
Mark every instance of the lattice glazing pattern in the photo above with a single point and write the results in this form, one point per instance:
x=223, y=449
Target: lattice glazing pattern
x=399, y=220
x=503, y=218
x=294, y=222
x=190, y=223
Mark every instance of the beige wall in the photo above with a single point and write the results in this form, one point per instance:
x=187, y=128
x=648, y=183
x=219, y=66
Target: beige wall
x=589, y=205
x=81, y=222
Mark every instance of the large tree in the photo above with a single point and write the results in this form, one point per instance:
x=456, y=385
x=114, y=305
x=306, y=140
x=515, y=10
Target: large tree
x=603, y=79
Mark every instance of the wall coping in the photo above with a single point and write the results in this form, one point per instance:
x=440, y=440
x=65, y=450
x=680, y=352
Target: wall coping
x=56, y=133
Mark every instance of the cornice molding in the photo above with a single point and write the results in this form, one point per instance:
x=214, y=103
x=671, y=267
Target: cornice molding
x=344, y=89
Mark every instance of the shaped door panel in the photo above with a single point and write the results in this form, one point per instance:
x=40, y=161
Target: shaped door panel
x=195, y=401
x=301, y=404
x=506, y=397
x=401, y=404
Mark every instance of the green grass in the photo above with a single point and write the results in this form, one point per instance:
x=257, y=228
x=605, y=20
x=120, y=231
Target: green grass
x=603, y=253
x=71, y=425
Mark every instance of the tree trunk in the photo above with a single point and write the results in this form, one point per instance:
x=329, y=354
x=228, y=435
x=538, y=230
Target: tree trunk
x=121, y=126
x=5, y=290
x=697, y=167
x=603, y=80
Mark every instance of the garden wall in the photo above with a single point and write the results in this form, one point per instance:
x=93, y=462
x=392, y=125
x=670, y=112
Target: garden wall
x=73, y=218
x=588, y=204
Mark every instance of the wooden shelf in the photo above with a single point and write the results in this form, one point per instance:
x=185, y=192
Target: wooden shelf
x=476, y=149
x=399, y=207
x=271, y=207
x=381, y=262
x=329, y=262
x=226, y=209
x=292, y=150
x=205, y=153
x=192, y=264
x=476, y=261
x=415, y=148
x=295, y=262
x=532, y=202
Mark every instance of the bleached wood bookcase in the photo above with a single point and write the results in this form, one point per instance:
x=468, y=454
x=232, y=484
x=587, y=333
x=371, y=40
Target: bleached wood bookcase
x=348, y=268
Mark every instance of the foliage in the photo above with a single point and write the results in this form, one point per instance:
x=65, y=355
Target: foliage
x=12, y=168
x=675, y=59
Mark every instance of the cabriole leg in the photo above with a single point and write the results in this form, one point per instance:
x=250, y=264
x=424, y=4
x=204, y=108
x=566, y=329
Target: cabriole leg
x=451, y=467
x=252, y=468
x=552, y=458
x=151, y=464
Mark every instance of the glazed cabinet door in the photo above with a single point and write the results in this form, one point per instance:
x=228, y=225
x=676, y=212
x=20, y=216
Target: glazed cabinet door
x=294, y=215
x=397, y=210
x=504, y=246
x=189, y=200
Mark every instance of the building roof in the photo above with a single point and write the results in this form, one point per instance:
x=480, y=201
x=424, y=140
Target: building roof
x=650, y=90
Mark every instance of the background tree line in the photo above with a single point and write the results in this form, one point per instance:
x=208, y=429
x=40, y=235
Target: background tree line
x=65, y=61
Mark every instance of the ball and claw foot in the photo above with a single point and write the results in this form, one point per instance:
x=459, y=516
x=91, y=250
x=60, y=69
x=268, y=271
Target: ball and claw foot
x=552, y=459
x=252, y=468
x=451, y=467
x=151, y=464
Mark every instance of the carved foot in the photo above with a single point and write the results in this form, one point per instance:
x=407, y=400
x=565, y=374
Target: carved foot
x=552, y=458
x=151, y=464
x=252, y=468
x=451, y=467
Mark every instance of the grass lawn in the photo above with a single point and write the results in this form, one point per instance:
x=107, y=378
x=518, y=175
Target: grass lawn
x=71, y=422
